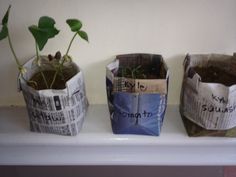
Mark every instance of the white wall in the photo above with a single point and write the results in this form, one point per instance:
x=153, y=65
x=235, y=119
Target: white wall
x=168, y=27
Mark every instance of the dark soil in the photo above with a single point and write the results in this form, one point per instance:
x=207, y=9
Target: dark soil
x=215, y=75
x=59, y=83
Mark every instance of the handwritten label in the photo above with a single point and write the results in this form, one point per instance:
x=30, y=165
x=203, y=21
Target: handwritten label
x=219, y=109
x=219, y=99
x=137, y=86
x=143, y=114
x=212, y=108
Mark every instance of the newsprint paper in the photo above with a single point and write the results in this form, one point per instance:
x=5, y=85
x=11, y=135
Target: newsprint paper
x=211, y=106
x=55, y=111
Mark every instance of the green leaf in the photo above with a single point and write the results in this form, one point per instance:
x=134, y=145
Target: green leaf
x=75, y=24
x=5, y=18
x=4, y=32
x=51, y=32
x=40, y=36
x=83, y=35
x=47, y=24
x=44, y=31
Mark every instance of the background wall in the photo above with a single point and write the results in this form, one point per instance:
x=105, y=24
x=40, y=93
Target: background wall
x=167, y=27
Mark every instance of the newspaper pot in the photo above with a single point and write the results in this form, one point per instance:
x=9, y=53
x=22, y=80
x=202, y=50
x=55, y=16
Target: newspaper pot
x=208, y=108
x=55, y=111
x=137, y=106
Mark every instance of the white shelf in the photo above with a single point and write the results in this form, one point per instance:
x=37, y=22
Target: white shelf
x=97, y=145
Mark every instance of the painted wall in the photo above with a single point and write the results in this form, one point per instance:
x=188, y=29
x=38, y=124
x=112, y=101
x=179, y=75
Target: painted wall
x=167, y=27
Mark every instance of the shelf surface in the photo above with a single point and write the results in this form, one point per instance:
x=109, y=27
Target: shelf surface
x=97, y=145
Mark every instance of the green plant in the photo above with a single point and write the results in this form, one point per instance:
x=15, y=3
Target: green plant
x=75, y=26
x=42, y=33
x=133, y=72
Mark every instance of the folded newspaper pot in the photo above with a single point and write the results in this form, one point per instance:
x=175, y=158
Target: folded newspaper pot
x=137, y=106
x=208, y=109
x=55, y=111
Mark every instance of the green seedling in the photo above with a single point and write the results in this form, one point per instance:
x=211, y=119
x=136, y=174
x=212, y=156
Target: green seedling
x=133, y=72
x=5, y=34
x=42, y=33
x=75, y=26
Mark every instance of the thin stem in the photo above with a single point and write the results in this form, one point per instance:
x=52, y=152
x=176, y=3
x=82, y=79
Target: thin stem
x=14, y=54
x=18, y=62
x=58, y=69
x=29, y=82
x=37, y=53
x=133, y=75
x=63, y=61
x=70, y=44
x=40, y=68
x=54, y=78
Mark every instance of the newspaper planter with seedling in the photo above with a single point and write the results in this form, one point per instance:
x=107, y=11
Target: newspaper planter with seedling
x=137, y=86
x=53, y=86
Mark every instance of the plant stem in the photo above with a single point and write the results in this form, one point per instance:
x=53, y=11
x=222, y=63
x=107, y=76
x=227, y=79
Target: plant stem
x=54, y=78
x=20, y=67
x=37, y=53
x=58, y=69
x=30, y=82
x=40, y=68
x=63, y=61
x=70, y=44
x=14, y=54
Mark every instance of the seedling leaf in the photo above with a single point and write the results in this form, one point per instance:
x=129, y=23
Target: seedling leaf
x=40, y=36
x=47, y=24
x=83, y=35
x=5, y=18
x=75, y=24
x=4, y=32
x=44, y=31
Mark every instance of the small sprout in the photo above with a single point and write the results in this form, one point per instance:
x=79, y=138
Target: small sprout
x=133, y=72
x=75, y=24
x=50, y=57
x=58, y=55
